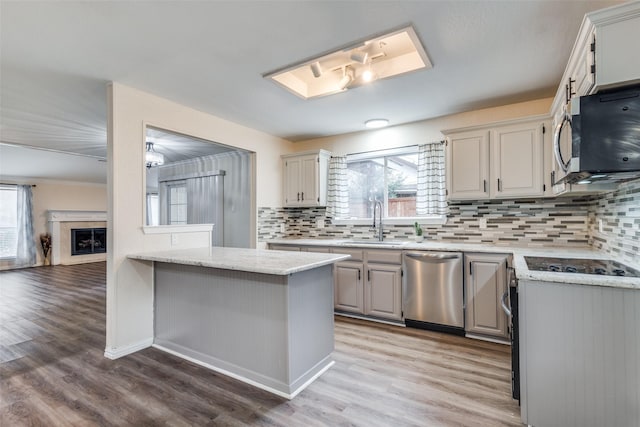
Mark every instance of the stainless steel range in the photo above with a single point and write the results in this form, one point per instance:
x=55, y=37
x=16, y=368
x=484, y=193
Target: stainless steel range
x=583, y=266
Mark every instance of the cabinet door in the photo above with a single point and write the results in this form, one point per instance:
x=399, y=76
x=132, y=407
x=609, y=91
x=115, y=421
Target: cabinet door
x=516, y=166
x=383, y=291
x=468, y=165
x=348, y=293
x=292, y=181
x=485, y=285
x=309, y=181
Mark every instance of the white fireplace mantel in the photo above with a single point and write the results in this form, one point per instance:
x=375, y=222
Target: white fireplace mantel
x=60, y=223
x=61, y=216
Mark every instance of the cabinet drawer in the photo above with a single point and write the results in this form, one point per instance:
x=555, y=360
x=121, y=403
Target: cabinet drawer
x=356, y=254
x=384, y=256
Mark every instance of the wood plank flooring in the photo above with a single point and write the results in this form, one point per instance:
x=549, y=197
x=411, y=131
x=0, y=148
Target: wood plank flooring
x=53, y=373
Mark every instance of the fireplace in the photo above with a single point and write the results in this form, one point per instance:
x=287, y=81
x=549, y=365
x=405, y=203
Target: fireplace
x=86, y=241
x=63, y=246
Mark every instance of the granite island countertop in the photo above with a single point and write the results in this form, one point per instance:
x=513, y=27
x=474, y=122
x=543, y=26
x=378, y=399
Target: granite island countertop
x=518, y=252
x=241, y=259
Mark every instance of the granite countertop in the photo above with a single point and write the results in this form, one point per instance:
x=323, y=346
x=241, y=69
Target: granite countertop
x=518, y=252
x=240, y=259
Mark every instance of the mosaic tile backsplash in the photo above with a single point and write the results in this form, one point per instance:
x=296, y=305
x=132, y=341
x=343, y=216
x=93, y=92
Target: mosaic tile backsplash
x=620, y=215
x=562, y=221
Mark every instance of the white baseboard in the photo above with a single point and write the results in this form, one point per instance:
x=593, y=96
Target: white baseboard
x=116, y=353
x=245, y=379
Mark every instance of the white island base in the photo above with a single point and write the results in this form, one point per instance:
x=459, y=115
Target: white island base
x=274, y=331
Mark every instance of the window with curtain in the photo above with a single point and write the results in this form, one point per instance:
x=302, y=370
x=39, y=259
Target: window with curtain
x=16, y=225
x=8, y=221
x=409, y=181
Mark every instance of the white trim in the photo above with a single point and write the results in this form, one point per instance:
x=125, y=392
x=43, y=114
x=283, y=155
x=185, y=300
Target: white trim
x=116, y=353
x=488, y=339
x=76, y=216
x=398, y=151
x=372, y=319
x=422, y=220
x=245, y=379
x=180, y=228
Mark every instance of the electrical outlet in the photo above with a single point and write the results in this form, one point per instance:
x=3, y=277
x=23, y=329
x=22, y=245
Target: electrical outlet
x=483, y=223
x=600, y=226
x=320, y=223
x=282, y=229
x=174, y=239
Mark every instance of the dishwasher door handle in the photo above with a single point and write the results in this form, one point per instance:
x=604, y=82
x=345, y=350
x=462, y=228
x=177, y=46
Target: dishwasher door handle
x=427, y=256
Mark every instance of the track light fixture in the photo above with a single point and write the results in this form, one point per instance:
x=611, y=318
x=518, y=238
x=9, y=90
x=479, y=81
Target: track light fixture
x=360, y=57
x=316, y=69
x=347, y=78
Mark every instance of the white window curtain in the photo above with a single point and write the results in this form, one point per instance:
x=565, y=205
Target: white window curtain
x=26, y=247
x=338, y=188
x=431, y=198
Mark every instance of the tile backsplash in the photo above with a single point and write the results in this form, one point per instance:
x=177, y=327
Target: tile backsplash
x=561, y=221
x=619, y=212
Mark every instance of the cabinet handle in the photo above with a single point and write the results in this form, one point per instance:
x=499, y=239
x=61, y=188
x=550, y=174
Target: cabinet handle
x=368, y=275
x=298, y=196
x=358, y=274
x=484, y=185
x=499, y=185
x=303, y=196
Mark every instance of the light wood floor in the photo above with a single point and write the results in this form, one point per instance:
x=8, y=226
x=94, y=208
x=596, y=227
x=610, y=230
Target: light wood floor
x=53, y=373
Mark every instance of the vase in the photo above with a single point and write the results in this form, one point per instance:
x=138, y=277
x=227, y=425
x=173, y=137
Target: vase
x=419, y=239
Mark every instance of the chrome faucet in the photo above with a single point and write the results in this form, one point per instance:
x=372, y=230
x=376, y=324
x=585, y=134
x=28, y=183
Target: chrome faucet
x=378, y=204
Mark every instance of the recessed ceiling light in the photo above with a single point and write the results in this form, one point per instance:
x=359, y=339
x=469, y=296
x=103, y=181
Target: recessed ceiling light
x=374, y=58
x=376, y=123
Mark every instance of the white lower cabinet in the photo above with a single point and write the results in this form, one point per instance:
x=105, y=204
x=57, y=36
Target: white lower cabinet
x=485, y=285
x=370, y=283
x=349, y=289
x=383, y=291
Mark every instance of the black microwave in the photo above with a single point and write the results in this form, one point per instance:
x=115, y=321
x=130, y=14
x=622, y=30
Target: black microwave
x=605, y=138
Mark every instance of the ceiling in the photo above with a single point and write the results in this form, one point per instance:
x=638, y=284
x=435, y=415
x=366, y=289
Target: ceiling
x=57, y=58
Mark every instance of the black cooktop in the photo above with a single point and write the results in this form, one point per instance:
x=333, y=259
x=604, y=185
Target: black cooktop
x=577, y=265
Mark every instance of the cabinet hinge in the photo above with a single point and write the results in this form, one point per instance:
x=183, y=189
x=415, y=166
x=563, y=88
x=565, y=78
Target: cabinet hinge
x=318, y=159
x=593, y=51
x=318, y=199
x=446, y=192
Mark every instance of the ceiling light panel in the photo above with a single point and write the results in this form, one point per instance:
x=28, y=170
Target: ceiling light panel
x=376, y=58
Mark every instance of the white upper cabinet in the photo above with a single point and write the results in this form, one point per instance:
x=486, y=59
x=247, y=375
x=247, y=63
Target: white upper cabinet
x=468, y=165
x=517, y=161
x=305, y=178
x=502, y=160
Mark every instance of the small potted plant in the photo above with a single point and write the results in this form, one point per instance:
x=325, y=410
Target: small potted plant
x=418, y=229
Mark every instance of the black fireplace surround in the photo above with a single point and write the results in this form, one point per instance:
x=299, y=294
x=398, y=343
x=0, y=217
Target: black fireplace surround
x=86, y=241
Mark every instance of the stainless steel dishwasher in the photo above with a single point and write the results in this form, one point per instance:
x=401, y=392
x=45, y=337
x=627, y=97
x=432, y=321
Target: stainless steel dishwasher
x=433, y=291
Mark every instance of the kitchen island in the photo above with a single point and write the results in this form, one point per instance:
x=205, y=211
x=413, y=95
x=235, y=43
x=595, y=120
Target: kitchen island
x=263, y=317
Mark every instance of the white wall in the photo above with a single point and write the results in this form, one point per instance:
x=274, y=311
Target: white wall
x=60, y=195
x=129, y=283
x=423, y=131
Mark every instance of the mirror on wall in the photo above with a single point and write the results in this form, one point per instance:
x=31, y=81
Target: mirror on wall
x=190, y=180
